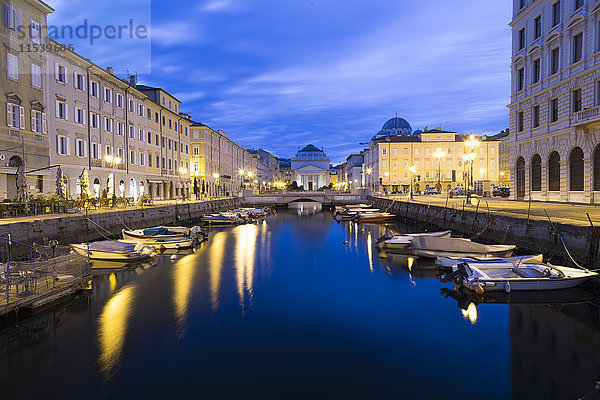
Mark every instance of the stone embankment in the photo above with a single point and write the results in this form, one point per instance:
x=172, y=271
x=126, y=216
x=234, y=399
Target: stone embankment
x=77, y=228
x=533, y=236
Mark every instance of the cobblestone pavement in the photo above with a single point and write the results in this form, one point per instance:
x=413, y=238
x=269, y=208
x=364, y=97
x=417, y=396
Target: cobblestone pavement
x=573, y=214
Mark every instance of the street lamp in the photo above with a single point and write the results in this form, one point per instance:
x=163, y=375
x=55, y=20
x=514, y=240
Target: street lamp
x=113, y=162
x=413, y=171
x=387, y=178
x=369, y=172
x=183, y=171
x=241, y=172
x=216, y=176
x=439, y=154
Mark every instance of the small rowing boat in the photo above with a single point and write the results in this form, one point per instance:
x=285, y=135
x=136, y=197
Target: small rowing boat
x=401, y=241
x=111, y=250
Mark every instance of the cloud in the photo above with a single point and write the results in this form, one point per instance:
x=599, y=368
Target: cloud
x=217, y=5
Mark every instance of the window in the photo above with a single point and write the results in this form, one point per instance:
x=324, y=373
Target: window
x=60, y=73
x=170, y=144
x=150, y=159
x=522, y=39
x=62, y=111
x=553, y=110
x=577, y=47
x=79, y=115
x=576, y=170
x=536, y=70
x=12, y=18
x=121, y=153
x=132, y=156
x=108, y=124
x=157, y=140
x=520, y=79
x=141, y=135
x=79, y=81
x=535, y=117
x=107, y=95
x=521, y=4
x=537, y=27
x=15, y=116
x=170, y=124
x=142, y=158
x=170, y=164
x=119, y=100
x=131, y=106
x=36, y=75
x=80, y=148
x=149, y=137
x=94, y=89
x=520, y=121
x=196, y=151
x=12, y=65
x=164, y=120
x=556, y=13
x=132, y=131
x=186, y=149
x=95, y=151
x=576, y=96
x=578, y=4
x=62, y=145
x=597, y=168
x=156, y=117
x=94, y=120
x=149, y=113
x=554, y=172
x=141, y=110
x=554, y=60
x=108, y=150
x=536, y=173
x=38, y=121
x=121, y=130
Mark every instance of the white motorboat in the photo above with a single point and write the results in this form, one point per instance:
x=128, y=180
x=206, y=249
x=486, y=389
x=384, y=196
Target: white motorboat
x=402, y=241
x=493, y=262
x=111, y=250
x=525, y=277
x=162, y=233
x=433, y=247
x=162, y=244
x=375, y=217
x=218, y=220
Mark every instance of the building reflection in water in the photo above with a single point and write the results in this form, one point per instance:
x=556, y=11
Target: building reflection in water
x=112, y=328
x=217, y=252
x=304, y=208
x=555, y=350
x=246, y=238
x=183, y=278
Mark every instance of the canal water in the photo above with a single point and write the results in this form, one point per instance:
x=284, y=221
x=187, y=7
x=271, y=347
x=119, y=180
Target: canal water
x=298, y=307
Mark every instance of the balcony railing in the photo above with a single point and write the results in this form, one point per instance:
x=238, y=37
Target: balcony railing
x=588, y=115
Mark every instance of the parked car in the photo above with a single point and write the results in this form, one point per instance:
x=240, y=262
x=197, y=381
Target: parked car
x=501, y=191
x=457, y=191
x=431, y=190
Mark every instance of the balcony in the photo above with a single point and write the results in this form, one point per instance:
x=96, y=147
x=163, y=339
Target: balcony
x=587, y=116
x=96, y=163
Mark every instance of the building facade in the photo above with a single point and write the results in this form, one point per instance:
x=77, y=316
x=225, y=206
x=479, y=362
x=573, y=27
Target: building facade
x=310, y=168
x=24, y=143
x=436, y=155
x=555, y=101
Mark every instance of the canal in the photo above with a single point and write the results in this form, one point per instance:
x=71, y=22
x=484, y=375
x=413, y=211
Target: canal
x=298, y=307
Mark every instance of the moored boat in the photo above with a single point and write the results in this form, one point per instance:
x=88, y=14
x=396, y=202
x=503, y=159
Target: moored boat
x=433, y=247
x=161, y=244
x=162, y=233
x=493, y=262
x=401, y=241
x=218, y=220
x=111, y=250
x=375, y=217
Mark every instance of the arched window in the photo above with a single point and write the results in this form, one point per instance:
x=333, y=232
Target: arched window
x=554, y=172
x=520, y=178
x=597, y=168
x=576, y=170
x=536, y=173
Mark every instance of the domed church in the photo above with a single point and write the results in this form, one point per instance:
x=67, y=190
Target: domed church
x=310, y=168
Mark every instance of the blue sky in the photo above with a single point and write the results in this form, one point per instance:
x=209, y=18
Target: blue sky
x=279, y=74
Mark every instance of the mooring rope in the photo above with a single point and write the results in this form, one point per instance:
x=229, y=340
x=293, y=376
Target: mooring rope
x=100, y=233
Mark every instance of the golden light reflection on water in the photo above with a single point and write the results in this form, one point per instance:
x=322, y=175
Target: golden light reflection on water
x=246, y=237
x=112, y=281
x=112, y=328
x=470, y=313
x=370, y=250
x=217, y=252
x=183, y=275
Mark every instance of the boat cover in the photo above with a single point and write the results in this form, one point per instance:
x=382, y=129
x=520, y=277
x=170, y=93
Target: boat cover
x=111, y=245
x=159, y=230
x=217, y=218
x=455, y=245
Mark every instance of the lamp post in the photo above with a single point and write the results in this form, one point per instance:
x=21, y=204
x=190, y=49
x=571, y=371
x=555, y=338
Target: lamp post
x=216, y=176
x=439, y=154
x=182, y=172
x=113, y=161
x=387, y=178
x=471, y=144
x=369, y=172
x=241, y=173
x=413, y=171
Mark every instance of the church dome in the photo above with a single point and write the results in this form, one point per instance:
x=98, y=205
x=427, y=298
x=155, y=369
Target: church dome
x=394, y=127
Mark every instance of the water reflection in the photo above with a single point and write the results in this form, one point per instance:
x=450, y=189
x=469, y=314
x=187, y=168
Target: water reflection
x=113, y=328
x=216, y=255
x=370, y=250
x=183, y=277
x=306, y=207
x=246, y=237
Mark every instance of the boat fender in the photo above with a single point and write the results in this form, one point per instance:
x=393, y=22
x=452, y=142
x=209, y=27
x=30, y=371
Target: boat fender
x=345, y=242
x=162, y=248
x=479, y=289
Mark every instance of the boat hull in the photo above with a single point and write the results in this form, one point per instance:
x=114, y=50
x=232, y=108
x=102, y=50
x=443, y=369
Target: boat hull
x=534, y=284
x=108, y=255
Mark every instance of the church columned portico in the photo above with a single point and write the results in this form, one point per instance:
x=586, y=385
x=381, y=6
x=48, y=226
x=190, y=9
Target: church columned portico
x=310, y=168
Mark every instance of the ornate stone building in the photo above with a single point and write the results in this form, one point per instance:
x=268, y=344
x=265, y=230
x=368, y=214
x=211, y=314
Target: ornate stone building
x=555, y=101
x=310, y=168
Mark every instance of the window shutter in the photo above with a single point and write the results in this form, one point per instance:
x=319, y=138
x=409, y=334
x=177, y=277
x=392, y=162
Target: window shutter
x=56, y=72
x=9, y=115
x=58, y=144
x=7, y=15
x=74, y=79
x=83, y=84
x=19, y=21
x=85, y=148
x=57, y=109
x=44, y=125
x=83, y=117
x=21, y=117
x=67, y=144
x=66, y=75
x=33, y=125
x=66, y=112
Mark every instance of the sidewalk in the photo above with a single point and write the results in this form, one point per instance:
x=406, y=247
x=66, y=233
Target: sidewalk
x=572, y=214
x=155, y=203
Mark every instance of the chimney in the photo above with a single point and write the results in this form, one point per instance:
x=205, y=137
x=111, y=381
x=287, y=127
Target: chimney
x=133, y=80
x=109, y=70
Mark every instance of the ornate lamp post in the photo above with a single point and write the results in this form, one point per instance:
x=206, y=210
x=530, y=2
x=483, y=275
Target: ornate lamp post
x=471, y=144
x=439, y=154
x=413, y=171
x=369, y=172
x=113, y=162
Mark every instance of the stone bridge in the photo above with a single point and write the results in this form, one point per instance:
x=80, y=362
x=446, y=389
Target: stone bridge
x=324, y=197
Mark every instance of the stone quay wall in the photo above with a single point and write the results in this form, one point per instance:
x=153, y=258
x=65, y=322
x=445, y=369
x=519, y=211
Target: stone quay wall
x=533, y=237
x=78, y=228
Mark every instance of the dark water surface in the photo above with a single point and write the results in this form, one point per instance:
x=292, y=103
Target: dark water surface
x=284, y=309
